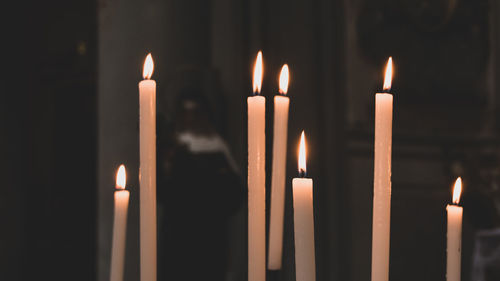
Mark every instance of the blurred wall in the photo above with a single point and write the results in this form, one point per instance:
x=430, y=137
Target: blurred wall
x=48, y=141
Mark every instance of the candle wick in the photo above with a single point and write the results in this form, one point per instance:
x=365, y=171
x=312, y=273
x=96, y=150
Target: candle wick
x=302, y=173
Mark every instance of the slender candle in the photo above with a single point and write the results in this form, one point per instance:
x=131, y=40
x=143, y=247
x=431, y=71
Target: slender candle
x=256, y=178
x=305, y=264
x=147, y=140
x=454, y=235
x=382, y=181
x=281, y=104
x=119, y=226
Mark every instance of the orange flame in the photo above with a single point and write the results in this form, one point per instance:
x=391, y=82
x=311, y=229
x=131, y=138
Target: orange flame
x=149, y=66
x=457, y=190
x=302, y=153
x=388, y=75
x=121, y=177
x=284, y=75
x=258, y=71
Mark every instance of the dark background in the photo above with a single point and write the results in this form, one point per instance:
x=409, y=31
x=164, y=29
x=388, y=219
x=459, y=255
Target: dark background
x=69, y=117
x=49, y=139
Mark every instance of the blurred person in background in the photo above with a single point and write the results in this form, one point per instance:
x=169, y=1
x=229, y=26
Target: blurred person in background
x=199, y=189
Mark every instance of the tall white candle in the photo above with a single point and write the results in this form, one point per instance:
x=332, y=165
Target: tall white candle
x=256, y=179
x=147, y=140
x=305, y=264
x=281, y=104
x=381, y=224
x=454, y=235
x=119, y=226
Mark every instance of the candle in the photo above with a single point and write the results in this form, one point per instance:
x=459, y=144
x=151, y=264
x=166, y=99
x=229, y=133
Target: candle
x=381, y=224
x=305, y=265
x=454, y=235
x=147, y=140
x=119, y=226
x=256, y=178
x=281, y=103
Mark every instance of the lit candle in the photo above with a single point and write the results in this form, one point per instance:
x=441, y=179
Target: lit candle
x=119, y=226
x=256, y=178
x=381, y=224
x=305, y=264
x=281, y=103
x=147, y=178
x=454, y=235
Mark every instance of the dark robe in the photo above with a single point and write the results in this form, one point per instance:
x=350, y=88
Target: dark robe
x=197, y=199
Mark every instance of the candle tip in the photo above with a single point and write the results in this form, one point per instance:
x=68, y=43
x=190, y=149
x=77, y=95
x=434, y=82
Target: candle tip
x=284, y=77
x=302, y=155
x=457, y=191
x=148, y=68
x=388, y=75
x=121, y=177
x=258, y=71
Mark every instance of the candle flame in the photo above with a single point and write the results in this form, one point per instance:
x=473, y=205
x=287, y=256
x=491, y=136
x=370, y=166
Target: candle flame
x=302, y=154
x=147, y=71
x=457, y=190
x=388, y=75
x=284, y=75
x=121, y=177
x=258, y=71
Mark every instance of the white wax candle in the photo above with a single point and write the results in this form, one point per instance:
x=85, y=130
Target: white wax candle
x=305, y=261
x=454, y=236
x=381, y=224
x=281, y=104
x=119, y=227
x=305, y=264
x=147, y=140
x=256, y=181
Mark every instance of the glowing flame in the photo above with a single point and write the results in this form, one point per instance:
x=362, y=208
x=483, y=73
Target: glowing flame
x=302, y=154
x=258, y=71
x=149, y=66
x=121, y=177
x=388, y=75
x=284, y=79
x=457, y=190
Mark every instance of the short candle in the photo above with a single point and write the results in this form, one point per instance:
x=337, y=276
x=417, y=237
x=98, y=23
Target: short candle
x=454, y=235
x=305, y=260
x=119, y=226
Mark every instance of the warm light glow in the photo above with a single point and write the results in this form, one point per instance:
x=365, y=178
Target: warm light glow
x=457, y=190
x=302, y=154
x=284, y=79
x=121, y=177
x=258, y=71
x=149, y=66
x=388, y=75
